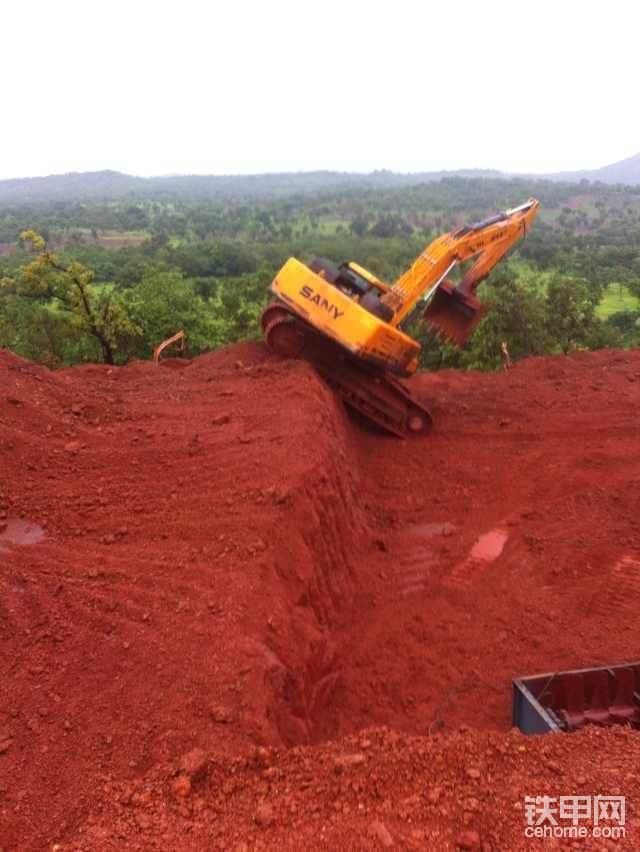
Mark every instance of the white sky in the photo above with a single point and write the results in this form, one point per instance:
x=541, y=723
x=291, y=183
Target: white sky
x=245, y=86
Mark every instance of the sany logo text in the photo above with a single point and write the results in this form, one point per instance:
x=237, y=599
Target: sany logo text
x=321, y=301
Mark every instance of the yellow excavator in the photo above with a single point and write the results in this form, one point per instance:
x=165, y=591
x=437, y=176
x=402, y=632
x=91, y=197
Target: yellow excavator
x=348, y=323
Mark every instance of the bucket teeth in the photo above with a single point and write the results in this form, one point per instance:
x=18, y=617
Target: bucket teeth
x=445, y=334
x=452, y=316
x=438, y=331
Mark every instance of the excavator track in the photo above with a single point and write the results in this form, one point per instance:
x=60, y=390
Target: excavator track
x=376, y=395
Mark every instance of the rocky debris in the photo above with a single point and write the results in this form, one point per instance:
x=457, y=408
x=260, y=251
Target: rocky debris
x=181, y=786
x=468, y=840
x=434, y=794
x=264, y=815
x=117, y=535
x=194, y=764
x=261, y=757
x=221, y=714
x=379, y=831
x=299, y=802
x=347, y=761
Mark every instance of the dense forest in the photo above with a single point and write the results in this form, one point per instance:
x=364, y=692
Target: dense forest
x=107, y=274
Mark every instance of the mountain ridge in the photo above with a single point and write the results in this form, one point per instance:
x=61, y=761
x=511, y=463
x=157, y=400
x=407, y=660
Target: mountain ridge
x=109, y=184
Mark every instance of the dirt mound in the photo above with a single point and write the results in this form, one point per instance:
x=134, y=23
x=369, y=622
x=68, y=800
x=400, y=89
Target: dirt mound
x=376, y=790
x=225, y=561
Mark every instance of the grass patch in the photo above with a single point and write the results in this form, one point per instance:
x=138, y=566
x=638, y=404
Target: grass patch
x=616, y=298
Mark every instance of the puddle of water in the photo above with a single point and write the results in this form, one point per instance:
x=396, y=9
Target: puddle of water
x=489, y=546
x=19, y=531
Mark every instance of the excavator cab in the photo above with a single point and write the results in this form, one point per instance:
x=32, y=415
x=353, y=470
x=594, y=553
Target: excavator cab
x=356, y=282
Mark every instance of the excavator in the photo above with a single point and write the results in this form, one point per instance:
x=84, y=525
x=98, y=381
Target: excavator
x=349, y=324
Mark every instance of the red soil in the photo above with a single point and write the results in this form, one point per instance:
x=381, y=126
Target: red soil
x=231, y=563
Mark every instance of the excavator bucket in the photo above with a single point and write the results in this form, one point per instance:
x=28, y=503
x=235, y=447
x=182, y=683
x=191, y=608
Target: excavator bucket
x=453, y=314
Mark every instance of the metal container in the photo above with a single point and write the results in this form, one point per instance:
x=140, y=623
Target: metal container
x=566, y=701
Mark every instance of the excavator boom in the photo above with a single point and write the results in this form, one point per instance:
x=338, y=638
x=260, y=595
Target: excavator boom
x=454, y=311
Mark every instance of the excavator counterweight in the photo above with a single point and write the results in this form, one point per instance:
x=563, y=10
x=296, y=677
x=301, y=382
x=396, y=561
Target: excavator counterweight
x=349, y=324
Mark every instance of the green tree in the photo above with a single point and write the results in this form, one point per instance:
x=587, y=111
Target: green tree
x=165, y=302
x=571, y=312
x=239, y=302
x=627, y=325
x=515, y=315
x=97, y=312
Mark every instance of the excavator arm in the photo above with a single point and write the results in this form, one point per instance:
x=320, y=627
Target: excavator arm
x=452, y=310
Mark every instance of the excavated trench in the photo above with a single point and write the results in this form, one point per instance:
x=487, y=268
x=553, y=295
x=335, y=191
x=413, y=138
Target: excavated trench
x=437, y=567
x=368, y=611
x=375, y=584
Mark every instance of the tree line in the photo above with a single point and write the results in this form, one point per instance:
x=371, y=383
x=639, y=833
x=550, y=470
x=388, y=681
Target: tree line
x=65, y=302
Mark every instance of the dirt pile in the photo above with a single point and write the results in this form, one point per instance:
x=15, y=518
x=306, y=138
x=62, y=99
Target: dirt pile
x=223, y=560
x=376, y=790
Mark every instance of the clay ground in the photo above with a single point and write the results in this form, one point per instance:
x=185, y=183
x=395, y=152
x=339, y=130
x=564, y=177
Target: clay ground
x=231, y=617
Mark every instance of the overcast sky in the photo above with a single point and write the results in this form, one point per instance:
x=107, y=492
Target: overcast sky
x=238, y=86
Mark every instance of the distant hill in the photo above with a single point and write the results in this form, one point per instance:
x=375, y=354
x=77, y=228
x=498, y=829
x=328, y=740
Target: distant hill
x=82, y=186
x=111, y=185
x=624, y=171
